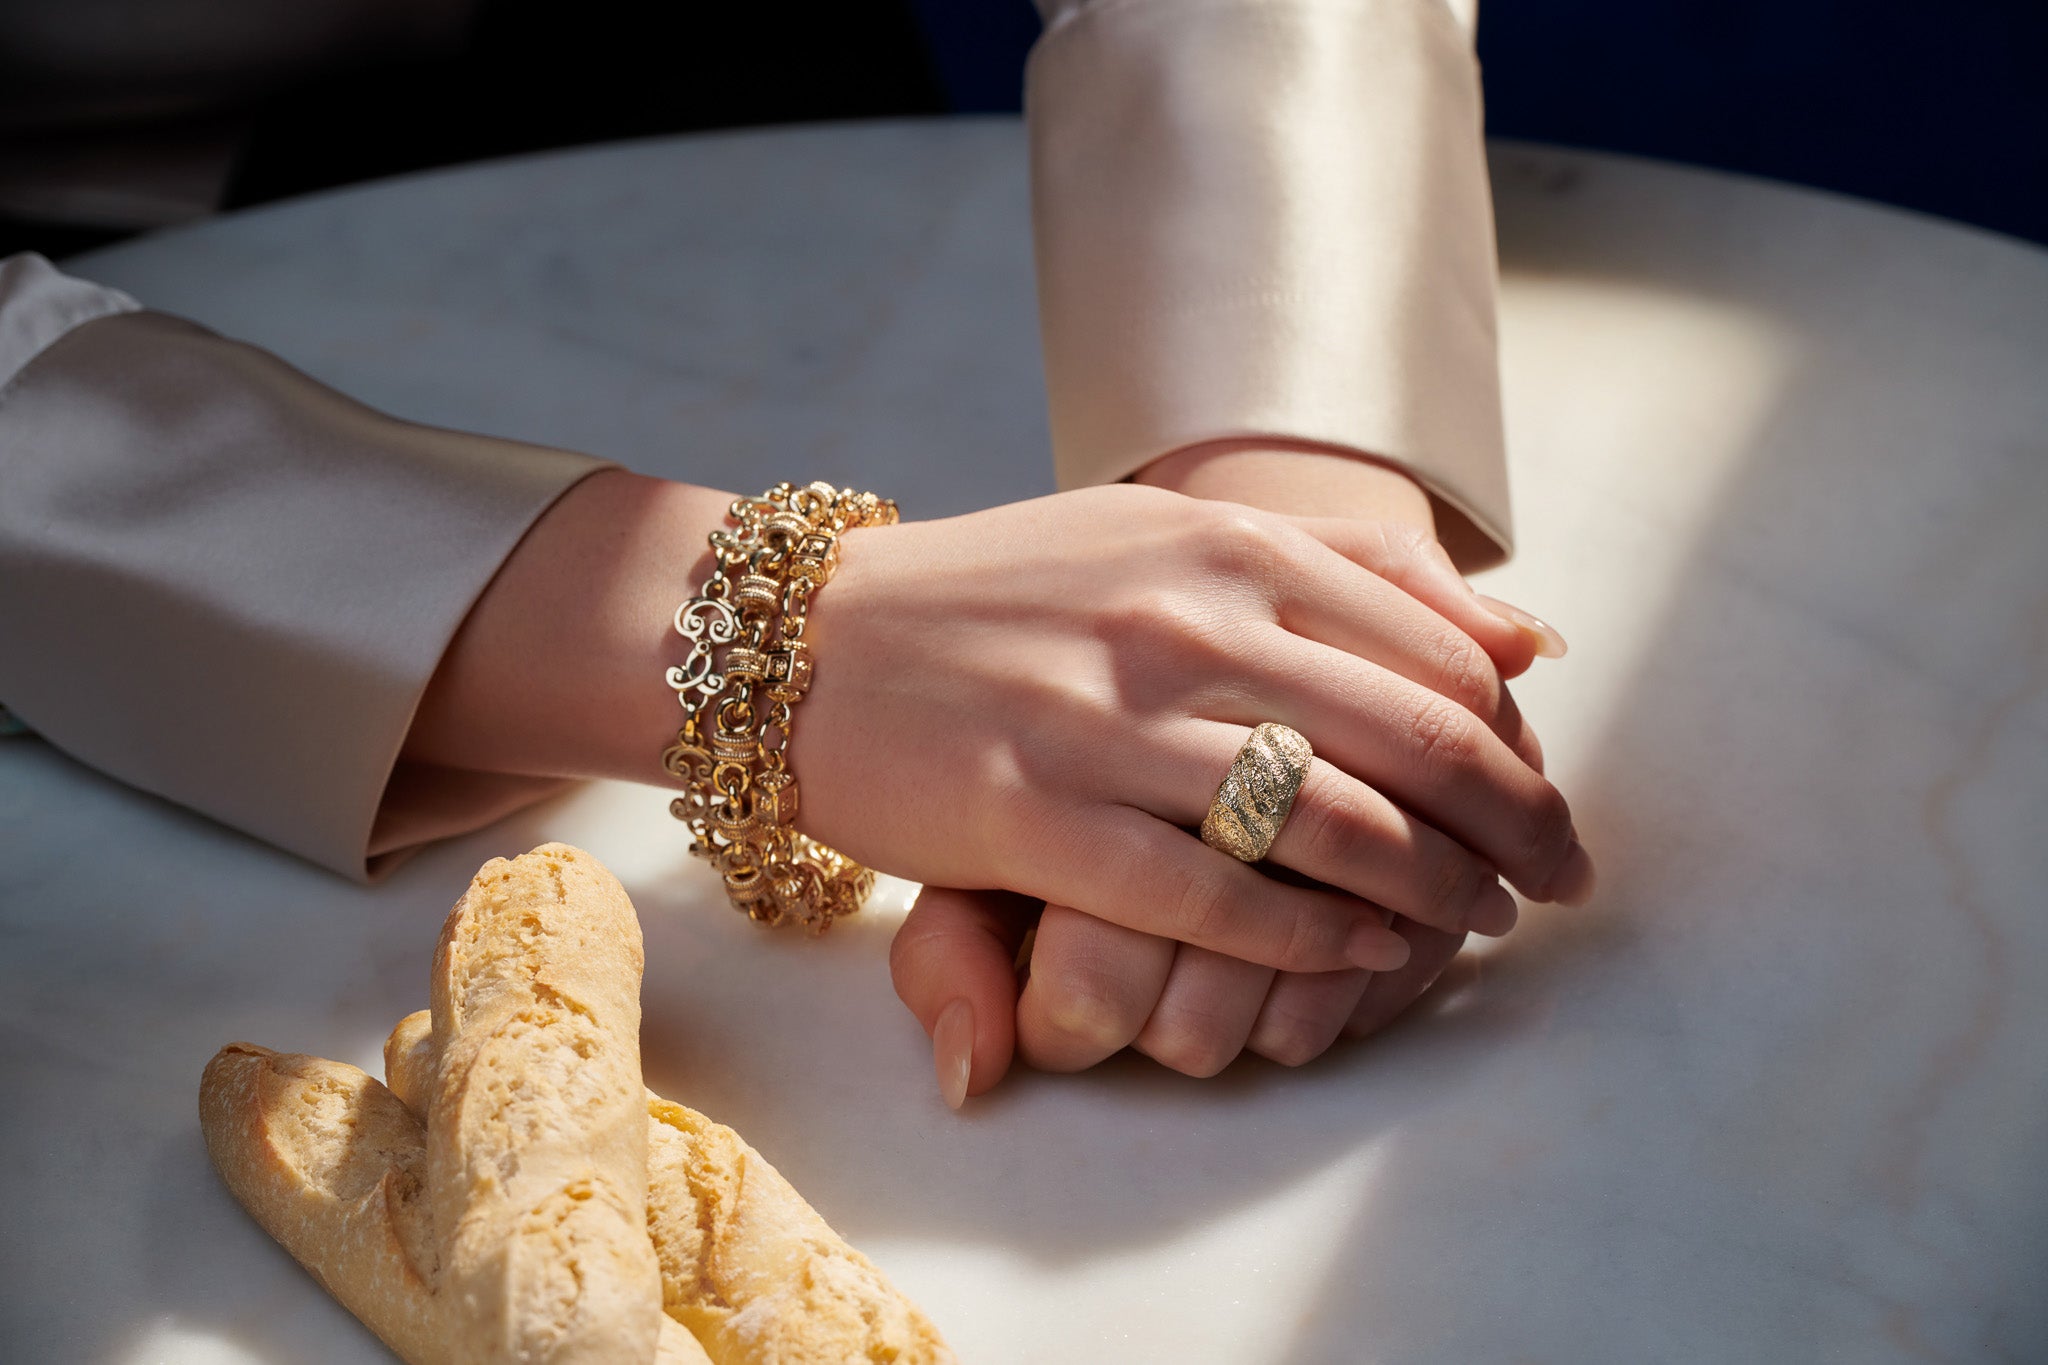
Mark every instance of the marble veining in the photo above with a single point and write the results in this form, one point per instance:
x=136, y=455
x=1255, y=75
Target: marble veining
x=1774, y=1096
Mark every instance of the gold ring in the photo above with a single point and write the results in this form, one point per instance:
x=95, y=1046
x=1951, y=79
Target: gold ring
x=1257, y=793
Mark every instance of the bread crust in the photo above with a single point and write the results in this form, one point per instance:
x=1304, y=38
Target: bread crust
x=746, y=1264
x=332, y=1165
x=499, y=1206
x=750, y=1267
x=535, y=1123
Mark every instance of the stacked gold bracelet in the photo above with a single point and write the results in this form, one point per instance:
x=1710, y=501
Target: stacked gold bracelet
x=747, y=668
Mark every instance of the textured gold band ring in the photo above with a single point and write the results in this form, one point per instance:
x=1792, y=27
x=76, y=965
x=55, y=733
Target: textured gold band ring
x=1257, y=793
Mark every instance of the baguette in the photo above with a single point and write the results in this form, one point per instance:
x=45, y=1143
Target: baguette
x=753, y=1271
x=749, y=1267
x=536, y=1170
x=329, y=1163
x=498, y=1207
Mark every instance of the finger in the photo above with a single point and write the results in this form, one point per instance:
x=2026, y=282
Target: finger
x=1093, y=984
x=1515, y=731
x=1130, y=868
x=1341, y=833
x=1304, y=1013
x=1430, y=755
x=1389, y=993
x=1205, y=1013
x=1365, y=615
x=1548, y=639
x=1412, y=560
x=953, y=963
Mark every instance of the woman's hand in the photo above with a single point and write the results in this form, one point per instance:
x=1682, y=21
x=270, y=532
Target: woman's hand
x=1042, y=697
x=1096, y=987
x=952, y=958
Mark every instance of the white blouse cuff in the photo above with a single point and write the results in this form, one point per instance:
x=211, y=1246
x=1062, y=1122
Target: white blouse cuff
x=39, y=303
x=1265, y=218
x=229, y=585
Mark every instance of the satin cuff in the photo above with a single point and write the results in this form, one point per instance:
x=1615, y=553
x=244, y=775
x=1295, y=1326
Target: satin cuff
x=229, y=585
x=1260, y=218
x=39, y=303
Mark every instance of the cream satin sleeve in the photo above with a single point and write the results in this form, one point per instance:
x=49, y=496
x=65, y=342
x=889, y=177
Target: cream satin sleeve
x=227, y=584
x=1259, y=218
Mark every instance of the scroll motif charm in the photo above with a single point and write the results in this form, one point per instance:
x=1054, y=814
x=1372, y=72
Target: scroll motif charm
x=747, y=667
x=708, y=623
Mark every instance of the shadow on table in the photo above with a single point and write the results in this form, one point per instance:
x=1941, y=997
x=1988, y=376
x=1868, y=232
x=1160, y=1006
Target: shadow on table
x=1723, y=1104
x=1620, y=1076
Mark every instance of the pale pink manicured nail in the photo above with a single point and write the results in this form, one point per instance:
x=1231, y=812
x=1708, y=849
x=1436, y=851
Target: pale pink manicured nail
x=1371, y=947
x=1549, y=644
x=953, y=1051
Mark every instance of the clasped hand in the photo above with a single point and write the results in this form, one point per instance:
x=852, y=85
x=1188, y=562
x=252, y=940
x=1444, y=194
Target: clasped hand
x=1037, y=702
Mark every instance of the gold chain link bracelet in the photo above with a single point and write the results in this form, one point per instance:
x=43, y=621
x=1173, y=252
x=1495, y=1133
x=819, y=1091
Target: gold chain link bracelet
x=740, y=798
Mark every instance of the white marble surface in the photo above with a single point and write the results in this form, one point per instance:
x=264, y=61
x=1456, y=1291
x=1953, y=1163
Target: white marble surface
x=1779, y=1095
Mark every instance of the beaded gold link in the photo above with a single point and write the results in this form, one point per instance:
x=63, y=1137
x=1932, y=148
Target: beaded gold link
x=747, y=668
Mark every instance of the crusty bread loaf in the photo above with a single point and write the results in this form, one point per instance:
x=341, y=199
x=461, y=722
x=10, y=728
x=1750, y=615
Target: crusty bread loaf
x=536, y=1122
x=333, y=1166
x=409, y=1060
x=746, y=1264
x=498, y=1207
x=329, y=1163
x=753, y=1271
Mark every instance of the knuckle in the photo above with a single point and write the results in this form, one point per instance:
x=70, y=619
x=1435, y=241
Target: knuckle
x=1514, y=727
x=1245, y=544
x=903, y=951
x=1190, y=1050
x=1164, y=629
x=1205, y=905
x=1401, y=542
x=1454, y=883
x=1465, y=674
x=1150, y=614
x=1024, y=819
x=1290, y=1039
x=1444, y=738
x=1362, y=1024
x=1549, y=830
x=1085, y=1009
x=1314, y=939
x=920, y=942
x=1330, y=825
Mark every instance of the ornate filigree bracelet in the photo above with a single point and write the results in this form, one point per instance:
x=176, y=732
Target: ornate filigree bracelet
x=747, y=668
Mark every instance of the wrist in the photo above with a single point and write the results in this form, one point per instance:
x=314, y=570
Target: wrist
x=557, y=671
x=1294, y=478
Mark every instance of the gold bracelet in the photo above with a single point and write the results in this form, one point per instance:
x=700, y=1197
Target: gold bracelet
x=740, y=798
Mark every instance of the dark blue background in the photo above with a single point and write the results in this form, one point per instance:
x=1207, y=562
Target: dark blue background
x=1941, y=107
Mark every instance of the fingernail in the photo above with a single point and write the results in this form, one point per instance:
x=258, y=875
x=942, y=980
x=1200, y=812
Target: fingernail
x=1549, y=644
x=953, y=1051
x=1372, y=947
x=1494, y=914
x=1574, y=882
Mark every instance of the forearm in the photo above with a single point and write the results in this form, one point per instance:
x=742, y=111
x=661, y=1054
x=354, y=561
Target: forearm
x=557, y=670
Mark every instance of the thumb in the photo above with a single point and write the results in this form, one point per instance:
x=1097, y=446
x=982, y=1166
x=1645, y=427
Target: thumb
x=1411, y=559
x=953, y=963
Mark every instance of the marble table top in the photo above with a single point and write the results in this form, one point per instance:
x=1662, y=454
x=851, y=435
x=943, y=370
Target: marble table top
x=1780, y=1094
